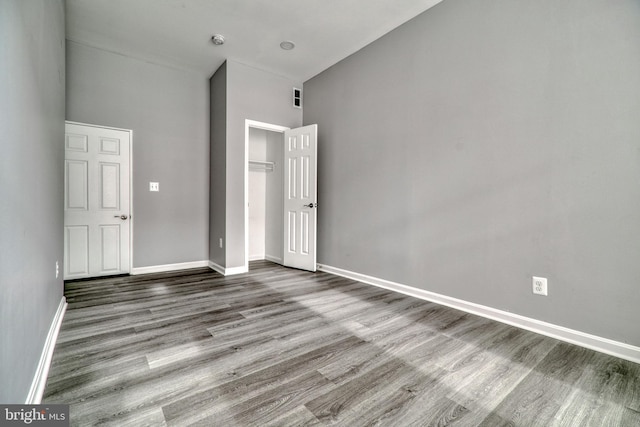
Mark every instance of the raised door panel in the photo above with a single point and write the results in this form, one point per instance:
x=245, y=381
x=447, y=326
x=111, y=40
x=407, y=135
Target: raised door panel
x=110, y=146
x=76, y=251
x=292, y=192
x=76, y=142
x=304, y=232
x=305, y=184
x=291, y=231
x=109, y=187
x=110, y=248
x=76, y=185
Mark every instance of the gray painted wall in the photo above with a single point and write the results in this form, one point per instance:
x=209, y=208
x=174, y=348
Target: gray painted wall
x=485, y=142
x=274, y=213
x=255, y=95
x=168, y=110
x=257, y=194
x=217, y=178
x=31, y=185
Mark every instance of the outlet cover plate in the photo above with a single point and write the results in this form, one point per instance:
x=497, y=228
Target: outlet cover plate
x=154, y=186
x=539, y=285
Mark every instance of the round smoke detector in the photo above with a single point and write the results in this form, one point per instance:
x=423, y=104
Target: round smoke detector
x=287, y=45
x=218, y=39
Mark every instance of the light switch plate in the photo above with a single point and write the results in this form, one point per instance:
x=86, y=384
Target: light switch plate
x=154, y=186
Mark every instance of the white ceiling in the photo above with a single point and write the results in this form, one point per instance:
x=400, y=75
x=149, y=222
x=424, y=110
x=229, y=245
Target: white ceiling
x=178, y=32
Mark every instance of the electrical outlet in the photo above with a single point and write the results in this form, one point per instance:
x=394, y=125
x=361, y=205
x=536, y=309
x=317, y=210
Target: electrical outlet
x=57, y=269
x=539, y=285
x=221, y=242
x=154, y=186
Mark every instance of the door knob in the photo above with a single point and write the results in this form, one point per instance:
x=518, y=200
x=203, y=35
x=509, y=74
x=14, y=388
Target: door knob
x=123, y=217
x=311, y=205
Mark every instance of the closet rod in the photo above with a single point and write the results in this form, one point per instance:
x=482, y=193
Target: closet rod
x=257, y=165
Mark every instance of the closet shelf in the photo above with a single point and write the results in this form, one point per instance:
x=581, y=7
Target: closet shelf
x=256, y=165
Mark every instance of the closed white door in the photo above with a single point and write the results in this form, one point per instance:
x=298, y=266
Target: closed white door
x=97, y=224
x=300, y=204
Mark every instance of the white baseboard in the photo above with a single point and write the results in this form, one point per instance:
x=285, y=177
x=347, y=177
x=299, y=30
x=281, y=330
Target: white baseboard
x=593, y=342
x=265, y=257
x=216, y=267
x=230, y=271
x=40, y=378
x=169, y=267
x=227, y=271
x=277, y=260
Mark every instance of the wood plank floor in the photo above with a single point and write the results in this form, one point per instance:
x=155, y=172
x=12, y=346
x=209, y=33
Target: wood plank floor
x=282, y=347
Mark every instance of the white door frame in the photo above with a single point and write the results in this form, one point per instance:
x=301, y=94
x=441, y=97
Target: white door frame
x=256, y=125
x=131, y=213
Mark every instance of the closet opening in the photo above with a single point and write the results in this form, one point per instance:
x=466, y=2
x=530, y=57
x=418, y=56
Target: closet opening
x=265, y=228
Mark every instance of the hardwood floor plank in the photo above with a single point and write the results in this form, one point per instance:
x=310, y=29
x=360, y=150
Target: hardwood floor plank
x=247, y=385
x=600, y=395
x=384, y=405
x=284, y=347
x=430, y=407
x=145, y=417
x=330, y=407
x=82, y=384
x=479, y=386
x=395, y=315
x=371, y=355
x=282, y=399
x=300, y=416
x=119, y=345
x=540, y=395
x=446, y=412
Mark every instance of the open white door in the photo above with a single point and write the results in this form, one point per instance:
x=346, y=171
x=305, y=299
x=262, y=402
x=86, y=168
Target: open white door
x=300, y=204
x=97, y=223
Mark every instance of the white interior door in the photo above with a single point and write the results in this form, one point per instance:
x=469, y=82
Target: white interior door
x=97, y=223
x=300, y=203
